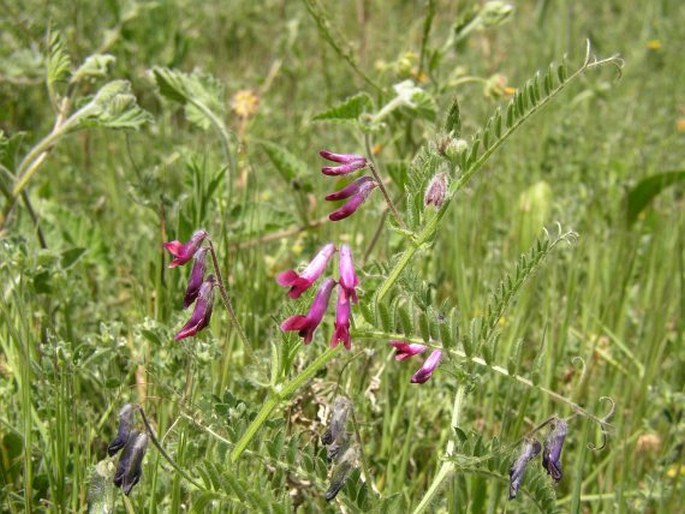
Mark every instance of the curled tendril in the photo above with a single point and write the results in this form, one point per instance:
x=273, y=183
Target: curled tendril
x=604, y=424
x=583, y=367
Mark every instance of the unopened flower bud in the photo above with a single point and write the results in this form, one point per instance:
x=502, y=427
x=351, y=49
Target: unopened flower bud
x=496, y=13
x=436, y=192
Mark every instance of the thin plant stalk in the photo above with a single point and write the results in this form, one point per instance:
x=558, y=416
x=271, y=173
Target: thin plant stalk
x=229, y=306
x=381, y=186
x=447, y=467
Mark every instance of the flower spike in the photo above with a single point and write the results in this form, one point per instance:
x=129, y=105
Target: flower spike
x=405, y=350
x=531, y=447
x=551, y=451
x=342, y=321
x=426, y=371
x=358, y=190
x=306, y=325
x=202, y=313
x=348, y=163
x=299, y=283
x=197, y=276
x=348, y=278
x=184, y=252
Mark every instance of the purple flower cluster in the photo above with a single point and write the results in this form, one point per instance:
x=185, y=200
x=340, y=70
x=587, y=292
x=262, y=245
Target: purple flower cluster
x=200, y=289
x=405, y=350
x=306, y=324
x=134, y=445
x=551, y=456
x=357, y=191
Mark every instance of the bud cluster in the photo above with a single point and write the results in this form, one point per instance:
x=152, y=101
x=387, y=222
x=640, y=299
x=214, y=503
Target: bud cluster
x=357, y=191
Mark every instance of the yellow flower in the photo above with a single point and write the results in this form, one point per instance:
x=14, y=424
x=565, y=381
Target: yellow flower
x=675, y=470
x=654, y=44
x=245, y=103
x=680, y=124
x=509, y=91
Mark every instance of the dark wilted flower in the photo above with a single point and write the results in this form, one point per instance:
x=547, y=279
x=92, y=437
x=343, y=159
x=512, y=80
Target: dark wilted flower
x=202, y=313
x=335, y=437
x=348, y=163
x=306, y=325
x=125, y=424
x=404, y=350
x=197, y=276
x=551, y=452
x=342, y=321
x=341, y=472
x=129, y=469
x=426, y=371
x=358, y=190
x=348, y=278
x=436, y=192
x=184, y=252
x=299, y=283
x=531, y=447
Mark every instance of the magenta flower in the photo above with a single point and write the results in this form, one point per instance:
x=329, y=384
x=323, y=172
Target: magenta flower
x=551, y=451
x=348, y=163
x=358, y=190
x=184, y=252
x=342, y=321
x=404, y=350
x=299, y=283
x=306, y=325
x=197, y=276
x=348, y=278
x=202, y=313
x=426, y=371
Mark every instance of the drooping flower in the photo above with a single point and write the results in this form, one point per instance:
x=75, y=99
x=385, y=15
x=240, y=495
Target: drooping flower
x=129, y=469
x=335, y=438
x=341, y=471
x=404, y=350
x=184, y=252
x=342, y=321
x=358, y=190
x=299, y=283
x=531, y=447
x=426, y=371
x=436, y=192
x=125, y=424
x=306, y=325
x=551, y=451
x=202, y=313
x=348, y=278
x=197, y=276
x=348, y=163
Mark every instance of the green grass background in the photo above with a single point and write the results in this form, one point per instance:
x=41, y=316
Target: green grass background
x=87, y=323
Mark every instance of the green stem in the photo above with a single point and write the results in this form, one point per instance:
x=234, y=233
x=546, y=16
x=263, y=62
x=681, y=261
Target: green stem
x=223, y=133
x=492, y=367
x=279, y=395
x=447, y=466
x=432, y=224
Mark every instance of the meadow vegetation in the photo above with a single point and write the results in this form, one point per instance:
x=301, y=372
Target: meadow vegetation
x=548, y=270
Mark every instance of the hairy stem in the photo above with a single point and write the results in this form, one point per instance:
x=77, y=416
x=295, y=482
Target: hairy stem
x=278, y=396
x=447, y=466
